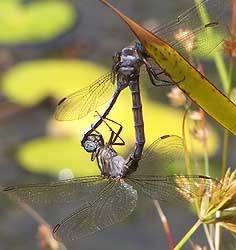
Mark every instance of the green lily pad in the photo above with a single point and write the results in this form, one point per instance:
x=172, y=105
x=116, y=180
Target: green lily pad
x=37, y=21
x=30, y=83
x=50, y=155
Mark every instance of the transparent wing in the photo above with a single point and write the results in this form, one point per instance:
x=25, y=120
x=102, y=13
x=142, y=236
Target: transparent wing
x=80, y=190
x=115, y=202
x=173, y=187
x=191, y=27
x=162, y=156
x=202, y=41
x=82, y=102
x=153, y=179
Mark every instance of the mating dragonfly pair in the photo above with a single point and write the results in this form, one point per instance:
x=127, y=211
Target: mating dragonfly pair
x=110, y=197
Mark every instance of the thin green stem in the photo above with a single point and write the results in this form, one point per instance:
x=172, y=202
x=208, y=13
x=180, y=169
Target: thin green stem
x=223, y=73
x=206, y=161
x=188, y=235
x=225, y=152
x=231, y=71
x=186, y=151
x=219, y=60
x=208, y=236
x=226, y=132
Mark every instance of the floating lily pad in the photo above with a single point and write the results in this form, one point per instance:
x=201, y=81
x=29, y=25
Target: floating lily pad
x=36, y=21
x=50, y=155
x=30, y=83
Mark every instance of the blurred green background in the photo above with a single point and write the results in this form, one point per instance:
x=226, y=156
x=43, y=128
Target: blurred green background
x=51, y=48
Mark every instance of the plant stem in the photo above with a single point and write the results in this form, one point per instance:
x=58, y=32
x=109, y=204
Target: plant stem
x=217, y=236
x=223, y=74
x=226, y=132
x=208, y=236
x=219, y=60
x=165, y=224
x=225, y=152
x=186, y=151
x=206, y=160
x=188, y=235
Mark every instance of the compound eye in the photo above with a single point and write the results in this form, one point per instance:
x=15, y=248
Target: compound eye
x=90, y=146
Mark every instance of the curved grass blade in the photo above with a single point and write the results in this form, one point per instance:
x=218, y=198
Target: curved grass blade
x=184, y=75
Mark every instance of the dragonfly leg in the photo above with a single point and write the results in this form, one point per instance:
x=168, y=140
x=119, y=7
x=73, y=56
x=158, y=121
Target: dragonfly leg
x=150, y=68
x=150, y=76
x=114, y=135
x=117, y=134
x=102, y=117
x=164, y=82
x=155, y=76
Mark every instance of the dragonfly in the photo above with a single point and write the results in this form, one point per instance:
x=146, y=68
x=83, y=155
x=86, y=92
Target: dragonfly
x=192, y=82
x=110, y=197
x=132, y=60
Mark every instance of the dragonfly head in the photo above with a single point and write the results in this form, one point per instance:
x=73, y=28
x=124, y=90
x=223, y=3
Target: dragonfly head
x=93, y=142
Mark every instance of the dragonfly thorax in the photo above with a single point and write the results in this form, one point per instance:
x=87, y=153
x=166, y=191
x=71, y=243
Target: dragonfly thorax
x=129, y=62
x=110, y=163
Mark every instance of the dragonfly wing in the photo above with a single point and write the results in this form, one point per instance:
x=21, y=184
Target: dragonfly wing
x=163, y=155
x=173, y=187
x=191, y=24
x=82, y=102
x=153, y=179
x=114, y=203
x=202, y=41
x=62, y=192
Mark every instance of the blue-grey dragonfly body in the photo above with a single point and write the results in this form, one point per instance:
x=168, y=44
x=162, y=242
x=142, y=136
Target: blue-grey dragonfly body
x=126, y=67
